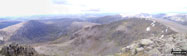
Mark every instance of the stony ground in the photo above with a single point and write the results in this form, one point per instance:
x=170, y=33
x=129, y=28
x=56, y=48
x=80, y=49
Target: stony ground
x=156, y=46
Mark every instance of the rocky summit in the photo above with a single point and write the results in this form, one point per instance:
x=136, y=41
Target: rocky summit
x=155, y=46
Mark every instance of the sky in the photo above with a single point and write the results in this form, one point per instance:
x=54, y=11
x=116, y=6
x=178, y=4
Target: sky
x=45, y=7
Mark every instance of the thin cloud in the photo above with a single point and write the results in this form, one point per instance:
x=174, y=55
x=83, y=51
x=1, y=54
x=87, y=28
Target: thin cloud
x=37, y=7
x=59, y=1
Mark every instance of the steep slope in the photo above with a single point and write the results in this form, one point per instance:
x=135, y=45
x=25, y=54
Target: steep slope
x=107, y=39
x=34, y=31
x=7, y=32
x=74, y=27
x=62, y=24
x=38, y=31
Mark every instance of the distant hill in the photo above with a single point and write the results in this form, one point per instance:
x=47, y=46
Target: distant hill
x=179, y=18
x=105, y=19
x=37, y=31
x=4, y=24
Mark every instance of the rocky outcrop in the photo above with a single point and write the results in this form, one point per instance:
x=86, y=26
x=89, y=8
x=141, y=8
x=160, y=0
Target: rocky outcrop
x=18, y=50
x=157, y=47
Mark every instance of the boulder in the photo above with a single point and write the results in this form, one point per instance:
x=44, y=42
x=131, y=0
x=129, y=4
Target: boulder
x=18, y=50
x=145, y=42
x=140, y=49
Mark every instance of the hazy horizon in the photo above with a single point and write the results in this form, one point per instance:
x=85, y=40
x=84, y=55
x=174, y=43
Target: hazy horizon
x=52, y=7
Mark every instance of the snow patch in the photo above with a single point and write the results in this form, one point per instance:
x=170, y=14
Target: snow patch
x=166, y=30
x=148, y=29
x=161, y=36
x=1, y=38
x=146, y=18
x=162, y=31
x=153, y=23
x=177, y=19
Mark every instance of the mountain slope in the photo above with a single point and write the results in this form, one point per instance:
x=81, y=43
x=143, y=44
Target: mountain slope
x=173, y=25
x=74, y=27
x=179, y=18
x=4, y=24
x=35, y=31
x=38, y=31
x=7, y=32
x=108, y=39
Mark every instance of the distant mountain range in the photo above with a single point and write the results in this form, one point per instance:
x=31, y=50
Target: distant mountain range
x=92, y=35
x=179, y=18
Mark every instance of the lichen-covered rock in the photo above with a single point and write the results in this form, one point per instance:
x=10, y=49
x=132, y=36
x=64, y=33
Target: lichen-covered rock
x=146, y=42
x=18, y=50
x=140, y=49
